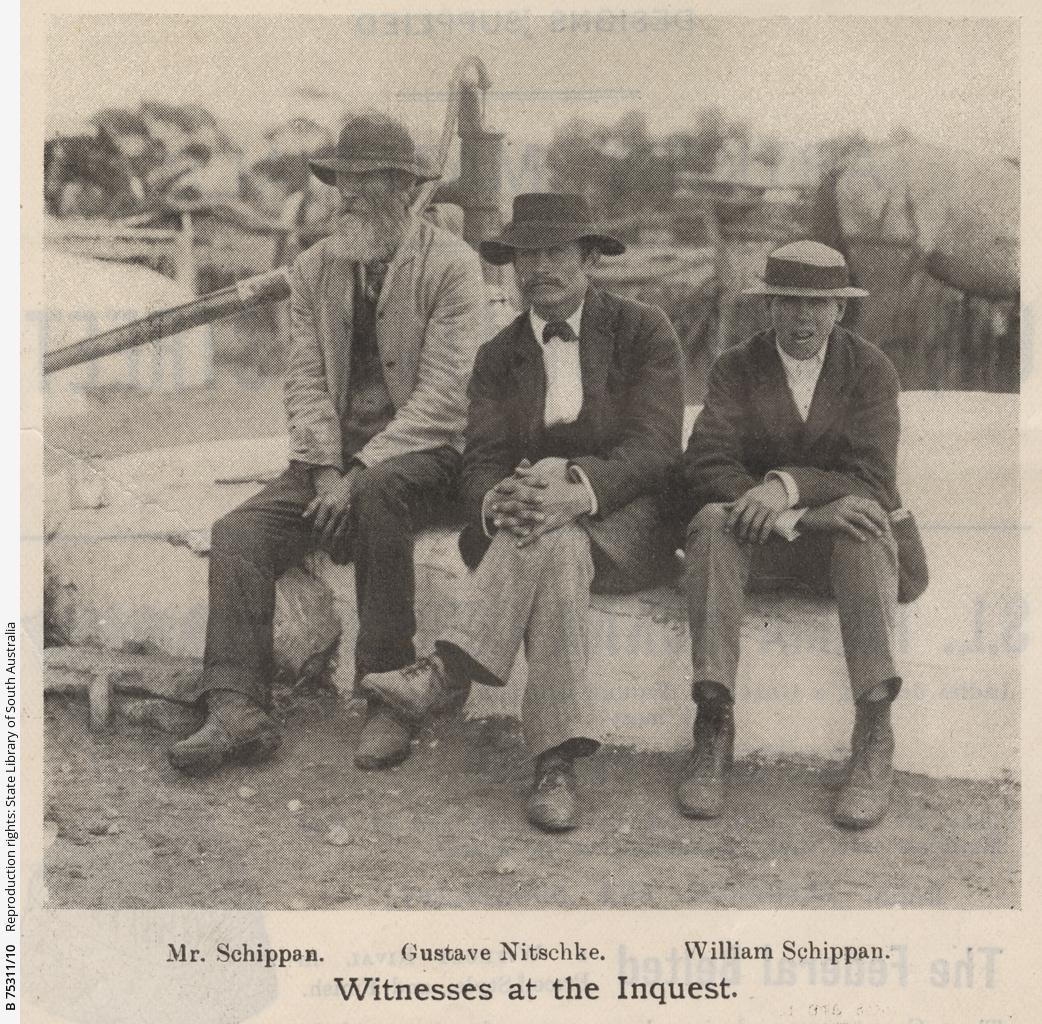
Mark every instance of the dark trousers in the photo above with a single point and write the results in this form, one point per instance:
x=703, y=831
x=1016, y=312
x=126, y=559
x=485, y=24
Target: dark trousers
x=254, y=544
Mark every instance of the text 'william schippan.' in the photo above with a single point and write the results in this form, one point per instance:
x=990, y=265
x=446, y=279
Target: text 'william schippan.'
x=727, y=949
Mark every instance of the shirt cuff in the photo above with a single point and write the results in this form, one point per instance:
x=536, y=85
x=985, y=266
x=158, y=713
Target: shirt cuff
x=786, y=522
x=578, y=476
x=788, y=482
x=490, y=533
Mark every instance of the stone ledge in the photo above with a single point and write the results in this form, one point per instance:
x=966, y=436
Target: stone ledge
x=133, y=572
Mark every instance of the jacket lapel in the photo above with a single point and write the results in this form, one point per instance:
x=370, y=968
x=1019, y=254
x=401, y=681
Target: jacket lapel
x=596, y=346
x=389, y=337
x=529, y=374
x=337, y=310
x=772, y=396
x=830, y=393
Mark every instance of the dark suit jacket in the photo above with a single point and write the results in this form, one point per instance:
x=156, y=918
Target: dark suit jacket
x=627, y=438
x=750, y=425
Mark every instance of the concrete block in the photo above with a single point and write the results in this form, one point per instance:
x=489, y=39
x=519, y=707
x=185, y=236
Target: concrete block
x=133, y=577
x=133, y=574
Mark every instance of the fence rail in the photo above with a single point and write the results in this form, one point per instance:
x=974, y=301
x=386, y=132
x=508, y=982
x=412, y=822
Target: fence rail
x=169, y=250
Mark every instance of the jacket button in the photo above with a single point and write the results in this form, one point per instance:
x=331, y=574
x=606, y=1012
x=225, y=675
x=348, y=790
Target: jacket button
x=389, y=364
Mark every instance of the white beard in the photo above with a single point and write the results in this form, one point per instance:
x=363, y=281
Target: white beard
x=373, y=237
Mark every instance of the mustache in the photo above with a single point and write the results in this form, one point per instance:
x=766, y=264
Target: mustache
x=532, y=282
x=369, y=237
x=362, y=209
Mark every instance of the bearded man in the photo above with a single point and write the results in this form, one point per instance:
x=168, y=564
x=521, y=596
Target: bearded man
x=386, y=317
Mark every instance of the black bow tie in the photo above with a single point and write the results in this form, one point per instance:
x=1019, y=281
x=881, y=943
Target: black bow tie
x=558, y=329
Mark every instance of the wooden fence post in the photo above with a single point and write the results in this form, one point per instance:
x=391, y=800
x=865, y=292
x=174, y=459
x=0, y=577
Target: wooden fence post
x=185, y=265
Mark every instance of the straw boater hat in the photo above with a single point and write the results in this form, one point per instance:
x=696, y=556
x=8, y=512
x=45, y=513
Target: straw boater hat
x=545, y=219
x=807, y=269
x=372, y=142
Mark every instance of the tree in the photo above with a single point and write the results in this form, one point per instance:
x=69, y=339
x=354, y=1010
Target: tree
x=574, y=160
x=621, y=168
x=769, y=150
x=900, y=135
x=841, y=149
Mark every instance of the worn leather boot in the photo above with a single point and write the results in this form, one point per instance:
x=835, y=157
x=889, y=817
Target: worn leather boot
x=701, y=791
x=386, y=740
x=418, y=690
x=865, y=796
x=552, y=804
x=236, y=729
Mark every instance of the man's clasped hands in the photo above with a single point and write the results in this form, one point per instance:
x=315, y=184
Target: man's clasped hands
x=537, y=499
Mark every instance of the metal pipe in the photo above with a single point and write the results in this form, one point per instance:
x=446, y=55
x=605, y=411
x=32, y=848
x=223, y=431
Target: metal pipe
x=478, y=189
x=270, y=287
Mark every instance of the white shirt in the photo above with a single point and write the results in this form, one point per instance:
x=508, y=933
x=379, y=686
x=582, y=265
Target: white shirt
x=564, y=393
x=564, y=379
x=802, y=377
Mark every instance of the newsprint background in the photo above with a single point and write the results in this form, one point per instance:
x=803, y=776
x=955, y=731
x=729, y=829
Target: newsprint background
x=175, y=141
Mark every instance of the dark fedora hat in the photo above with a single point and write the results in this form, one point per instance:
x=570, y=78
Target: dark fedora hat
x=807, y=269
x=545, y=219
x=372, y=142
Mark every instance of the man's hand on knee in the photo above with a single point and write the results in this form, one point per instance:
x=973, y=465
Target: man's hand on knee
x=857, y=517
x=330, y=509
x=751, y=518
x=516, y=503
x=563, y=502
x=537, y=499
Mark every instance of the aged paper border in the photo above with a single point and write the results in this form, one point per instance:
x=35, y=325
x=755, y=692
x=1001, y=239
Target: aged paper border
x=53, y=941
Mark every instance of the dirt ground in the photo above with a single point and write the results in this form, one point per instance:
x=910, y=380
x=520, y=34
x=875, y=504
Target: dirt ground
x=447, y=829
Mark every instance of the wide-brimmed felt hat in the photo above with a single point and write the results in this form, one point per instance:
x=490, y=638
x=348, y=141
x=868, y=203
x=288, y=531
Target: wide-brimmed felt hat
x=545, y=219
x=372, y=142
x=807, y=269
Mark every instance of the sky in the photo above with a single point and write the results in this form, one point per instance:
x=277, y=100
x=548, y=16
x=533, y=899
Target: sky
x=950, y=81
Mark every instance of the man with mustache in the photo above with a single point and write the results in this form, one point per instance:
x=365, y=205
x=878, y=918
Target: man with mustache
x=790, y=476
x=386, y=317
x=575, y=423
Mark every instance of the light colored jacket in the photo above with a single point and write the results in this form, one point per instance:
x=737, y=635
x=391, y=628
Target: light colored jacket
x=431, y=318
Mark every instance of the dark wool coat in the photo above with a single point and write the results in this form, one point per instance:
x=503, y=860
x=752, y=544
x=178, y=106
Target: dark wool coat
x=750, y=425
x=627, y=438
x=848, y=446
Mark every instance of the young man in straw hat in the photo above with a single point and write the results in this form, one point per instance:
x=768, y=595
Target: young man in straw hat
x=575, y=423
x=790, y=475
x=386, y=317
